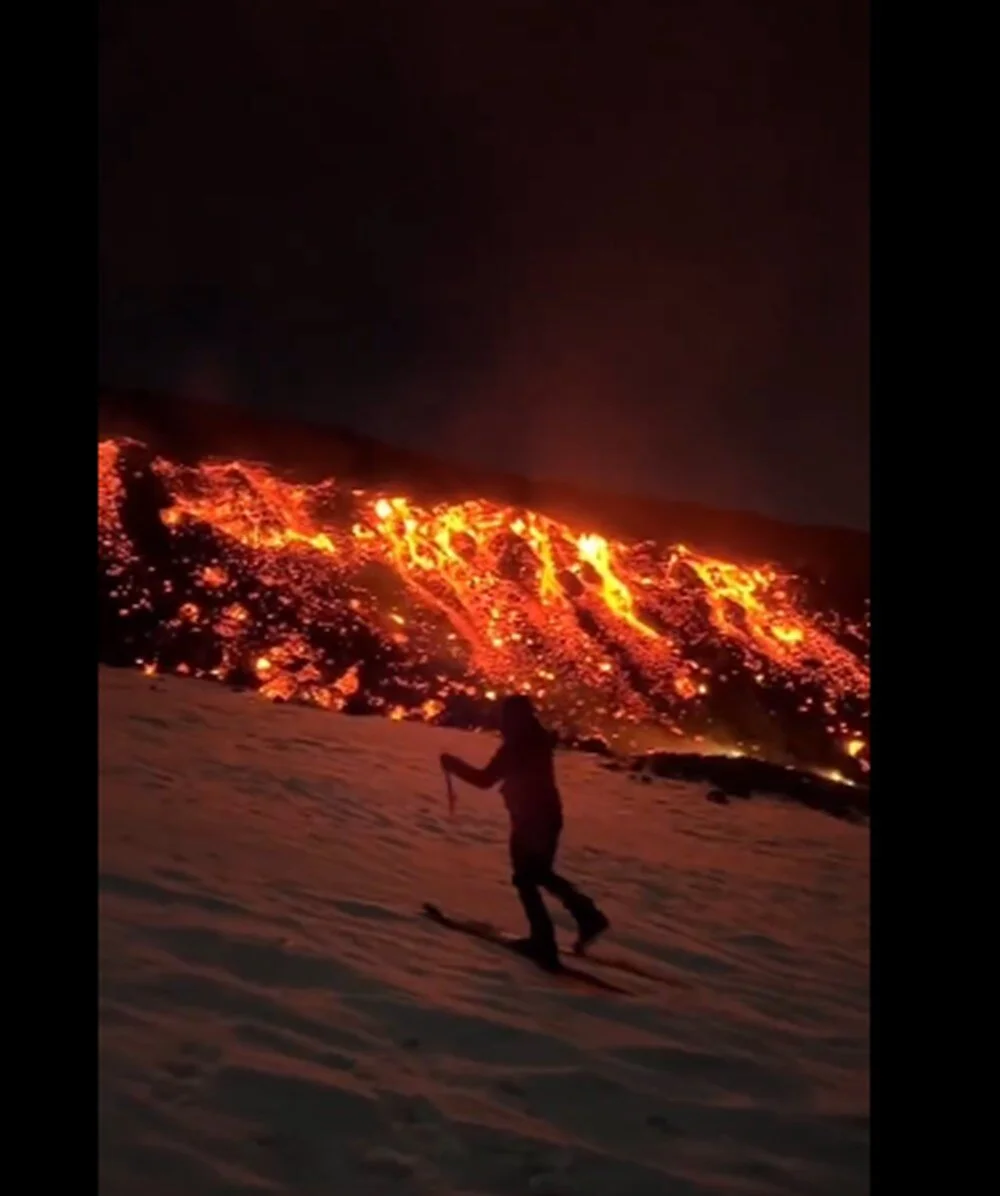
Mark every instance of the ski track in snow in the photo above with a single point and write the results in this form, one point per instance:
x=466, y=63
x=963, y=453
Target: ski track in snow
x=276, y=1018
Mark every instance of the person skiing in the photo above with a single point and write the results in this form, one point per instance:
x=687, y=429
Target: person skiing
x=524, y=764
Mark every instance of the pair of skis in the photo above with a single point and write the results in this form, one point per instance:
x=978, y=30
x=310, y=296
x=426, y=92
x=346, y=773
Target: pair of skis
x=501, y=938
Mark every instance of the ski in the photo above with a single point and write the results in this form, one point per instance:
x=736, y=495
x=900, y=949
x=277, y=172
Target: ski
x=490, y=934
x=632, y=969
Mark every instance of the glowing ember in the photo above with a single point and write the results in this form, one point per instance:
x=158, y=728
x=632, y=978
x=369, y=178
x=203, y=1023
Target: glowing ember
x=346, y=598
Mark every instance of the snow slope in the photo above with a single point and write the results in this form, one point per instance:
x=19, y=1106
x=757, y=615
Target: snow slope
x=274, y=1018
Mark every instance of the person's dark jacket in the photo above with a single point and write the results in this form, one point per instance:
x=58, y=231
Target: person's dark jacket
x=525, y=767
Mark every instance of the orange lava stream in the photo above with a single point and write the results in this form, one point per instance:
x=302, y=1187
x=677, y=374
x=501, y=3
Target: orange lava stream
x=496, y=599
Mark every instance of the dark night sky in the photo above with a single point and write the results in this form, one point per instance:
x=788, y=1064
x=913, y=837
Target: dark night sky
x=624, y=243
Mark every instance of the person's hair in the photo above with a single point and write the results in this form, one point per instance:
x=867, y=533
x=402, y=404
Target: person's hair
x=517, y=714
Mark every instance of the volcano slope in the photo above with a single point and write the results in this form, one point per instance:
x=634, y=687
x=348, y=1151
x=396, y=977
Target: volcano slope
x=276, y=1018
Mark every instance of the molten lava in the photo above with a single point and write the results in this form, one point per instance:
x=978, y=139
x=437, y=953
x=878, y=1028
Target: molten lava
x=351, y=599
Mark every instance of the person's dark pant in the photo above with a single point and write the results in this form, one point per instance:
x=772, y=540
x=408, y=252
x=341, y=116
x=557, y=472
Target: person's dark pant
x=532, y=854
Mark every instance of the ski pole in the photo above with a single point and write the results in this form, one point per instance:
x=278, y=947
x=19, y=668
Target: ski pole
x=451, y=794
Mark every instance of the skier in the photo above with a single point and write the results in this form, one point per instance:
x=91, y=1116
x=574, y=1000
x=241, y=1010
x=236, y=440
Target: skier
x=524, y=764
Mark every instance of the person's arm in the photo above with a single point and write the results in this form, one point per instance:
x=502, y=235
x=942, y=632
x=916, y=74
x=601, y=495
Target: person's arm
x=482, y=778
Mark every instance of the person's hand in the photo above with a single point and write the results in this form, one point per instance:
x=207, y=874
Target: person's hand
x=447, y=761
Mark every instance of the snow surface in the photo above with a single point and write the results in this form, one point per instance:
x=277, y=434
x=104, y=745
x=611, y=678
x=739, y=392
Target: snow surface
x=274, y=1017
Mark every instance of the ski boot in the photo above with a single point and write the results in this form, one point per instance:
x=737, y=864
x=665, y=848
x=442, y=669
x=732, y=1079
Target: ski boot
x=544, y=953
x=590, y=926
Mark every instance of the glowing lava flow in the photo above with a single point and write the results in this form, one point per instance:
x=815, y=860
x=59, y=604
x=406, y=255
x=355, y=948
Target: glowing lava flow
x=342, y=597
